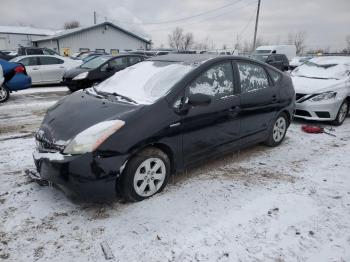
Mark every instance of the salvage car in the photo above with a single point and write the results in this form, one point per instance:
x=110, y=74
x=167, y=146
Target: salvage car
x=98, y=69
x=322, y=86
x=14, y=78
x=158, y=117
x=46, y=69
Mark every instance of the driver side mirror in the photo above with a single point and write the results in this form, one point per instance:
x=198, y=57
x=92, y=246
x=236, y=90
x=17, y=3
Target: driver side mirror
x=199, y=100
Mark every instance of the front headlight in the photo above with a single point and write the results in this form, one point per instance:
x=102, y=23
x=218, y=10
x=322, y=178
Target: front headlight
x=81, y=76
x=90, y=139
x=324, y=96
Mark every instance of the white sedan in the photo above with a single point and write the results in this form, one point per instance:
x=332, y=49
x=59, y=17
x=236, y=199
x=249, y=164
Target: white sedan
x=322, y=87
x=46, y=69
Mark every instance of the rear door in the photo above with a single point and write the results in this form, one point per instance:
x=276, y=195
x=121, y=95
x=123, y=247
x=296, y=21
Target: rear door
x=33, y=68
x=258, y=99
x=52, y=69
x=214, y=128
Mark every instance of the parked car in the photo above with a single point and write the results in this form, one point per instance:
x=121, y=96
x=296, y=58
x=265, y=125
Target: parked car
x=6, y=56
x=158, y=117
x=13, y=78
x=298, y=61
x=98, y=69
x=46, y=69
x=322, y=87
x=22, y=51
x=289, y=51
x=276, y=60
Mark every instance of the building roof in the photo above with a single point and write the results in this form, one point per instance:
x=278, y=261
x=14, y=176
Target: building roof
x=26, y=30
x=69, y=32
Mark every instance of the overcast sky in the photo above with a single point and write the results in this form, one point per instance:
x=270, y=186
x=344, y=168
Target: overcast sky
x=325, y=22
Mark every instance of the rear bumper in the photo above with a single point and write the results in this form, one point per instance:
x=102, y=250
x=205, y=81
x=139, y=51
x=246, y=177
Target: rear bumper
x=19, y=82
x=83, y=176
x=326, y=110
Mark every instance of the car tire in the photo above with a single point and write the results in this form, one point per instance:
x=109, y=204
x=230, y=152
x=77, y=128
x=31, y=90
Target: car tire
x=278, y=130
x=342, y=114
x=145, y=175
x=4, y=94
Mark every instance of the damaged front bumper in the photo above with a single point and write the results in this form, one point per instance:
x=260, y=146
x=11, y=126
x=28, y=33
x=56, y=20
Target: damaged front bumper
x=87, y=176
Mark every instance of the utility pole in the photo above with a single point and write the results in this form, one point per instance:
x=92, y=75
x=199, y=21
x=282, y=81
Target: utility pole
x=95, y=18
x=256, y=25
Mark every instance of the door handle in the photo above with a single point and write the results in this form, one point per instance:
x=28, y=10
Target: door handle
x=235, y=110
x=62, y=67
x=35, y=68
x=274, y=99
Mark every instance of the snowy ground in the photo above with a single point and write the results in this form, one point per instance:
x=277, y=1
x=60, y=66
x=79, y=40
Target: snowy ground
x=290, y=203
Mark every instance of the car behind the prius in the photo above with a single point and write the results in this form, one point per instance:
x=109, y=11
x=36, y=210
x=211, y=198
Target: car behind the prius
x=159, y=117
x=322, y=88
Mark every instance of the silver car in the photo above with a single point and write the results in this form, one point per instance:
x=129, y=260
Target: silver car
x=46, y=69
x=322, y=87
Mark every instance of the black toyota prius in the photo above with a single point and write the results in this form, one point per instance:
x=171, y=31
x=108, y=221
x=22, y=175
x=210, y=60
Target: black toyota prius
x=128, y=134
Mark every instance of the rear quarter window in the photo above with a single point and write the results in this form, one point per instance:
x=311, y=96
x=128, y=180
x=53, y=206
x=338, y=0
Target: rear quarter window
x=274, y=75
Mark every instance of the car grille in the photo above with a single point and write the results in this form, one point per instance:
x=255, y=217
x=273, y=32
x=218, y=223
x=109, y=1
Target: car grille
x=302, y=113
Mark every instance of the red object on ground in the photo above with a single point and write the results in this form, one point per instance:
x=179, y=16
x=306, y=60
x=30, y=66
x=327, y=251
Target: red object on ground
x=312, y=129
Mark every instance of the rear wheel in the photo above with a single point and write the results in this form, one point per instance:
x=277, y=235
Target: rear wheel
x=4, y=93
x=145, y=175
x=278, y=131
x=342, y=113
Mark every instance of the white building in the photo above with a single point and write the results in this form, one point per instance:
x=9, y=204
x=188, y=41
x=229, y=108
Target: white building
x=12, y=37
x=102, y=37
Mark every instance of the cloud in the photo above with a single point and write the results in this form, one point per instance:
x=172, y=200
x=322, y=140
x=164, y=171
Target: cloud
x=326, y=22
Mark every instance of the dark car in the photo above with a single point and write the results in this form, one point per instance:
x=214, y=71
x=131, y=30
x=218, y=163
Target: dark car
x=35, y=51
x=15, y=79
x=279, y=61
x=5, y=56
x=159, y=117
x=97, y=69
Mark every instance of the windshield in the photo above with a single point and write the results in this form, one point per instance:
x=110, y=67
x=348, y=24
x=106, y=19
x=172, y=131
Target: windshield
x=95, y=62
x=312, y=69
x=145, y=82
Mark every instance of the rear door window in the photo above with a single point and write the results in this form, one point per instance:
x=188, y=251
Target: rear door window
x=253, y=77
x=29, y=61
x=119, y=62
x=46, y=60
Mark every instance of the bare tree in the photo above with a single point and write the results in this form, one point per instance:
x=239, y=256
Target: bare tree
x=176, y=38
x=298, y=39
x=187, y=41
x=71, y=24
x=347, y=40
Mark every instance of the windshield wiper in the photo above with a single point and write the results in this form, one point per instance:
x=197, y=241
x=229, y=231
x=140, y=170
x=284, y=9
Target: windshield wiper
x=125, y=98
x=107, y=94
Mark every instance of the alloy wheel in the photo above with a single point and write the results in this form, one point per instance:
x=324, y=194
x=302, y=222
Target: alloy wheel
x=149, y=177
x=279, y=129
x=343, y=111
x=3, y=93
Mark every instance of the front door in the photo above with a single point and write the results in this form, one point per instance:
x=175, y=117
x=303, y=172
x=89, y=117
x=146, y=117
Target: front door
x=214, y=128
x=52, y=69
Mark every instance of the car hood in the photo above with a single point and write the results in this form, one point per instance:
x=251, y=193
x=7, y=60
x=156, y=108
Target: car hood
x=305, y=85
x=75, y=71
x=79, y=111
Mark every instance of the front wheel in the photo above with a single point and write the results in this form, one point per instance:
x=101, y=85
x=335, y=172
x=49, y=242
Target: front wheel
x=145, y=175
x=278, y=131
x=4, y=93
x=342, y=114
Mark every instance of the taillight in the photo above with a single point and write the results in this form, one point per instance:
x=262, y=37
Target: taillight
x=20, y=69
